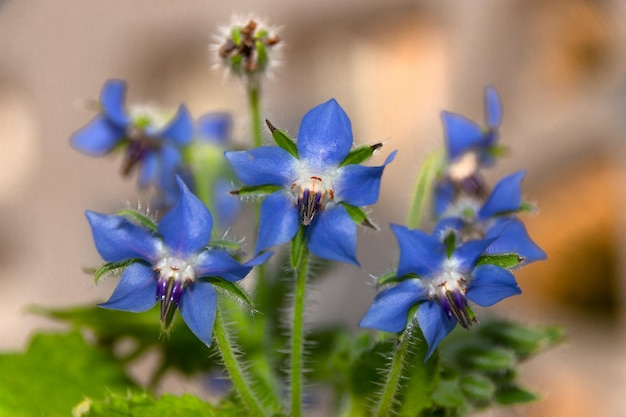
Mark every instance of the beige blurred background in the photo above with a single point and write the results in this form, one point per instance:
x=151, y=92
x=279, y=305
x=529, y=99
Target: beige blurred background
x=559, y=65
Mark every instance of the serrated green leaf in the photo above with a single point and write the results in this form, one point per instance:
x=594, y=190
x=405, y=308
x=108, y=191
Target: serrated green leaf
x=283, y=140
x=140, y=218
x=114, y=268
x=231, y=289
x=512, y=394
x=298, y=248
x=257, y=190
x=55, y=373
x=358, y=215
x=360, y=154
x=507, y=261
x=144, y=405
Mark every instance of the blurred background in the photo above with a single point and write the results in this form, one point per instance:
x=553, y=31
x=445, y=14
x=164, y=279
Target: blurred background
x=559, y=65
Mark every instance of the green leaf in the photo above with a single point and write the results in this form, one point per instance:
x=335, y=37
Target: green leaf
x=140, y=218
x=113, y=268
x=283, y=140
x=508, y=261
x=298, y=248
x=360, y=154
x=257, y=190
x=55, y=373
x=513, y=394
x=358, y=215
x=524, y=340
x=144, y=405
x=486, y=358
x=449, y=394
x=477, y=387
x=231, y=289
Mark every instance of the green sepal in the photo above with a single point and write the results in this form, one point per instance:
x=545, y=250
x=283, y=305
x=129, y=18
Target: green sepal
x=227, y=245
x=235, y=34
x=360, y=154
x=261, y=54
x=113, y=268
x=283, y=140
x=497, y=151
x=231, y=289
x=298, y=248
x=358, y=215
x=527, y=207
x=512, y=394
x=257, y=190
x=140, y=218
x=507, y=261
x=392, y=278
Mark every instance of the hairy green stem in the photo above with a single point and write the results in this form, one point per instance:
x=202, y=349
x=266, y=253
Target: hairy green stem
x=422, y=189
x=297, y=336
x=234, y=367
x=254, y=97
x=384, y=407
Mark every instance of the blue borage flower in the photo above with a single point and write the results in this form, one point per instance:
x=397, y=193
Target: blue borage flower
x=441, y=278
x=315, y=186
x=170, y=265
x=471, y=146
x=473, y=218
x=151, y=139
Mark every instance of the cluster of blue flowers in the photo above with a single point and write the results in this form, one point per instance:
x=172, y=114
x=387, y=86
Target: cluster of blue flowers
x=315, y=186
x=440, y=272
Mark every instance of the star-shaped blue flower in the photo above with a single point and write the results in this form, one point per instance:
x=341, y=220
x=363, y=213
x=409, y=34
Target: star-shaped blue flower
x=315, y=186
x=464, y=135
x=171, y=264
x=445, y=281
x=492, y=218
x=150, y=139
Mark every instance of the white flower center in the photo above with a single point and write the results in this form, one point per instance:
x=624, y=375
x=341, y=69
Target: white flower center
x=312, y=191
x=171, y=268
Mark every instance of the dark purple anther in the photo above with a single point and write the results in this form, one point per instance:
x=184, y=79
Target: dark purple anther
x=161, y=291
x=308, y=205
x=474, y=186
x=455, y=303
x=170, y=298
x=135, y=153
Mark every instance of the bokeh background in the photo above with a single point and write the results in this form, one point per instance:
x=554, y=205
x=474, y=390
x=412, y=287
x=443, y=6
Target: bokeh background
x=559, y=65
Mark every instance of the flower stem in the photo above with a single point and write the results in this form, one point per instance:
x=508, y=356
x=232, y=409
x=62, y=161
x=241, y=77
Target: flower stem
x=423, y=187
x=297, y=335
x=392, y=382
x=234, y=367
x=254, y=97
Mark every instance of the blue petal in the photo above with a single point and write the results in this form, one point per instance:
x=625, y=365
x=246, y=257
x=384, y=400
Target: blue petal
x=506, y=196
x=467, y=254
x=117, y=239
x=215, y=127
x=197, y=307
x=491, y=284
x=136, y=290
x=332, y=235
x=264, y=165
x=148, y=170
x=511, y=237
x=359, y=185
x=218, y=263
x=279, y=221
x=462, y=134
x=420, y=253
x=325, y=136
x=445, y=192
x=186, y=229
x=180, y=129
x=435, y=324
x=170, y=161
x=390, y=308
x=97, y=138
x=493, y=107
x=112, y=97
x=227, y=206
